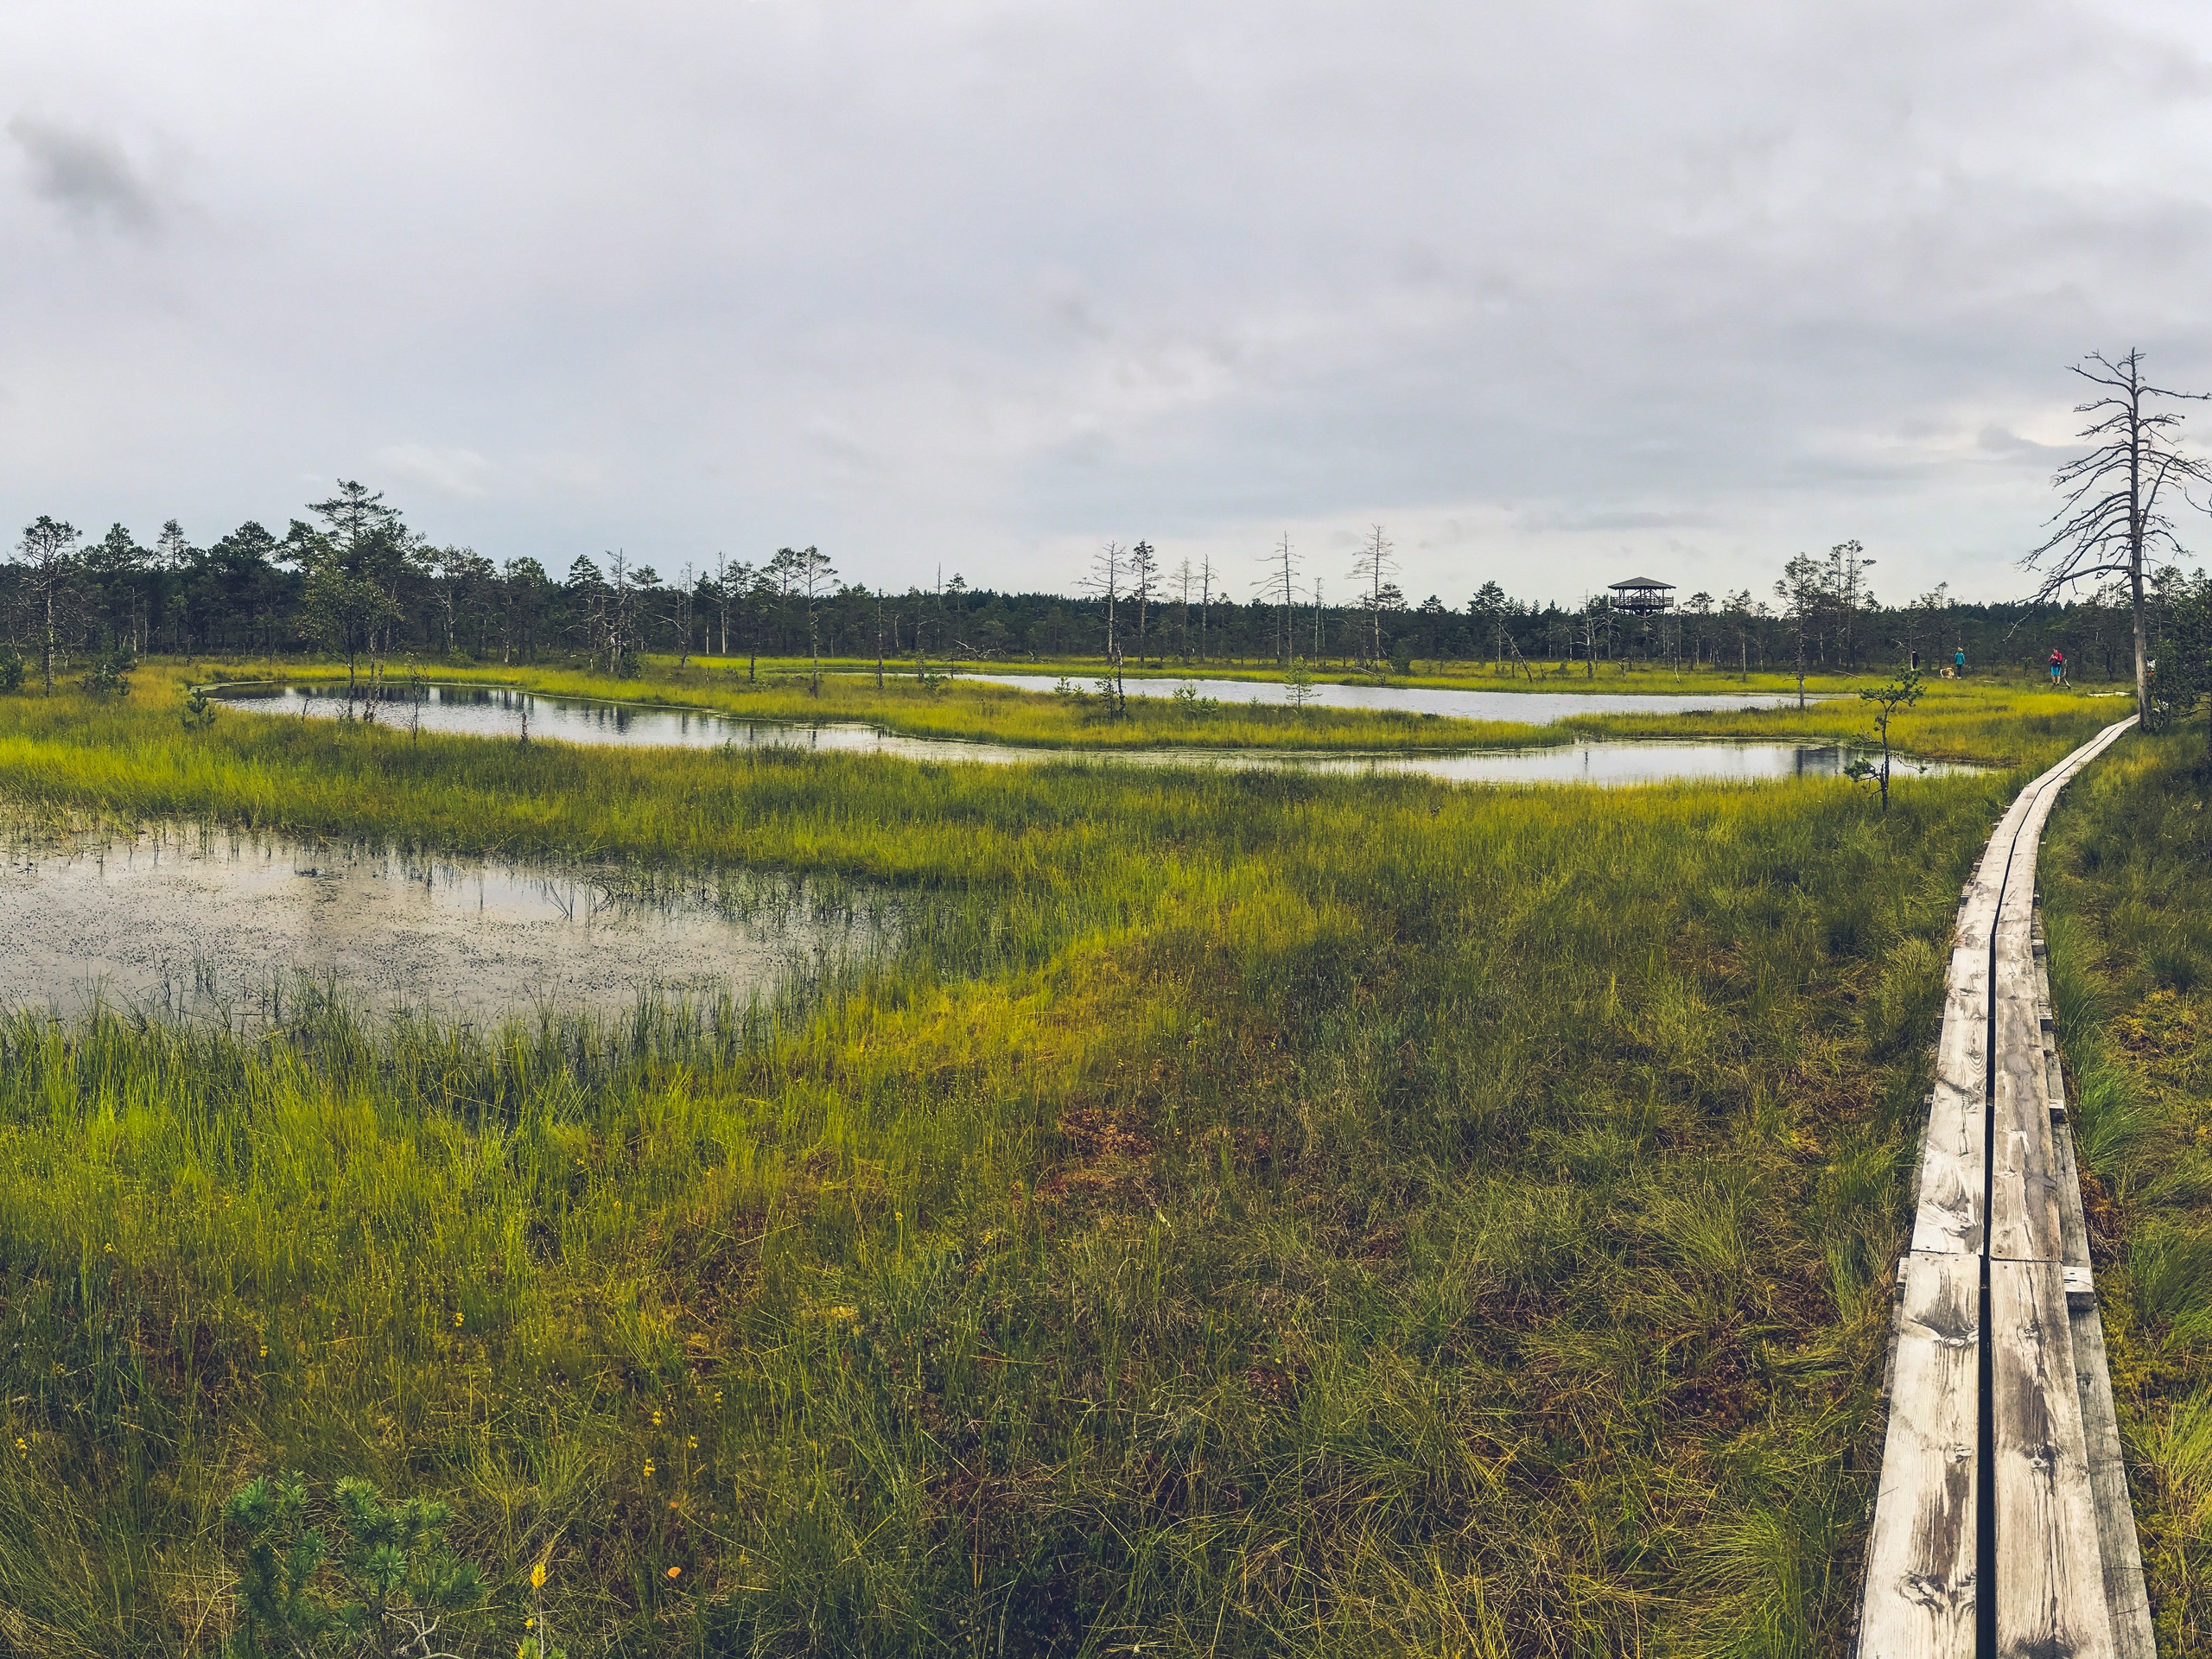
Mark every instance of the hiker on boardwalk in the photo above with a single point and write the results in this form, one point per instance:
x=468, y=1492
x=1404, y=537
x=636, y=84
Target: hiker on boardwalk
x=2057, y=666
x=1959, y=662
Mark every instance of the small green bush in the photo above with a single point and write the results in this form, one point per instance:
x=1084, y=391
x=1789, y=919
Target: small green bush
x=109, y=675
x=385, y=1588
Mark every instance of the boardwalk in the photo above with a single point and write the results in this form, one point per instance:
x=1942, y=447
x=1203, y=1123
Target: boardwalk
x=2002, y=1453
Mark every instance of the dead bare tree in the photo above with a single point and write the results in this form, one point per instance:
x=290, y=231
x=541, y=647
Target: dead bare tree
x=1373, y=573
x=1205, y=601
x=683, y=599
x=1281, y=586
x=1109, y=573
x=2110, y=518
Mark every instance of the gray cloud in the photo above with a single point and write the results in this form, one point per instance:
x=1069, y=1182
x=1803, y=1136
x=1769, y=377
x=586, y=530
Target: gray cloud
x=88, y=176
x=1555, y=293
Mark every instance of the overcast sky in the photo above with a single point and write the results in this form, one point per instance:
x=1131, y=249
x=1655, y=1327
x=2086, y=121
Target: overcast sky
x=1558, y=294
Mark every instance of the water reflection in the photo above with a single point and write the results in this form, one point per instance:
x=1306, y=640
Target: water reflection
x=503, y=712
x=176, y=919
x=1528, y=708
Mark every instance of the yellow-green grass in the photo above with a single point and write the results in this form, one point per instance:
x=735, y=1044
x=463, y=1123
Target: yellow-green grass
x=1980, y=722
x=2127, y=876
x=1649, y=678
x=1273, y=1214
x=1987, y=722
x=968, y=708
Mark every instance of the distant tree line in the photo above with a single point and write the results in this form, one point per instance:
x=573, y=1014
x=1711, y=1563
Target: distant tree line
x=353, y=580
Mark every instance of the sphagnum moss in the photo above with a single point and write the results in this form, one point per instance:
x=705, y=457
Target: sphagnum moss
x=1265, y=1214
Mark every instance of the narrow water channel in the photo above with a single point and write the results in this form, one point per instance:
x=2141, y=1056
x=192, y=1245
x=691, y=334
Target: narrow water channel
x=506, y=712
x=177, y=919
x=1532, y=707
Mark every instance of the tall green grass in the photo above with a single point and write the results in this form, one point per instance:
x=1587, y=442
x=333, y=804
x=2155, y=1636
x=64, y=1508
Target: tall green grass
x=2129, y=887
x=1970, y=721
x=1271, y=1214
x=969, y=708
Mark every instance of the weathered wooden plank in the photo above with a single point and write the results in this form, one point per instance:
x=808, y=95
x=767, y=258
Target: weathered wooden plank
x=2023, y=1223
x=1949, y=1216
x=2049, y=1570
x=1921, y=1567
x=2053, y=1509
x=2120, y=1552
x=2023, y=1188
x=2118, y=1547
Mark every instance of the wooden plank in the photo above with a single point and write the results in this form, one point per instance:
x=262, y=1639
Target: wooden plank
x=1921, y=1568
x=2118, y=1550
x=2050, y=1573
x=2054, y=1508
x=1948, y=1217
x=2023, y=1223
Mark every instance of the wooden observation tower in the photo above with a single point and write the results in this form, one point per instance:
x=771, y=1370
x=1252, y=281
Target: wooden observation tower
x=1642, y=596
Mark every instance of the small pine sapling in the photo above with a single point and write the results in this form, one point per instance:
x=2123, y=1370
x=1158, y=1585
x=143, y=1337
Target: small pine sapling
x=386, y=1586
x=1900, y=692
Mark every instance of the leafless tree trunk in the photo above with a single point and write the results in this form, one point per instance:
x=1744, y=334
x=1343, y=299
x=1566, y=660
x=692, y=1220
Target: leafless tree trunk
x=2110, y=515
x=1373, y=573
x=1107, y=568
x=1281, y=585
x=1205, y=600
x=721, y=599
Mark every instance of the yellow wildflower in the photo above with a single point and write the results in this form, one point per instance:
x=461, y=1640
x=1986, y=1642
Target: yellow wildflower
x=538, y=1576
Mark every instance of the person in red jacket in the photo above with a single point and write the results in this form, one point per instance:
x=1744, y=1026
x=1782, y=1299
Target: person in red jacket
x=2057, y=666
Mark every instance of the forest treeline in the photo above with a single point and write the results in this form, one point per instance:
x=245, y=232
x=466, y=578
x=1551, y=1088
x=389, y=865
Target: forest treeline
x=352, y=578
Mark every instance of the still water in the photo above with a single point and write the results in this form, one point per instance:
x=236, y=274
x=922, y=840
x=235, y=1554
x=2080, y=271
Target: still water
x=502, y=712
x=1531, y=708
x=178, y=919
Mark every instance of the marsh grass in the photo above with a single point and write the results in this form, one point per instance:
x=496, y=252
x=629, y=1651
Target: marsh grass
x=2128, y=887
x=974, y=711
x=1266, y=1214
x=1658, y=678
x=1976, y=721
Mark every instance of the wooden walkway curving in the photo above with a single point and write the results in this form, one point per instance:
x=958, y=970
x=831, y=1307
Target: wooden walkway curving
x=2002, y=1449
